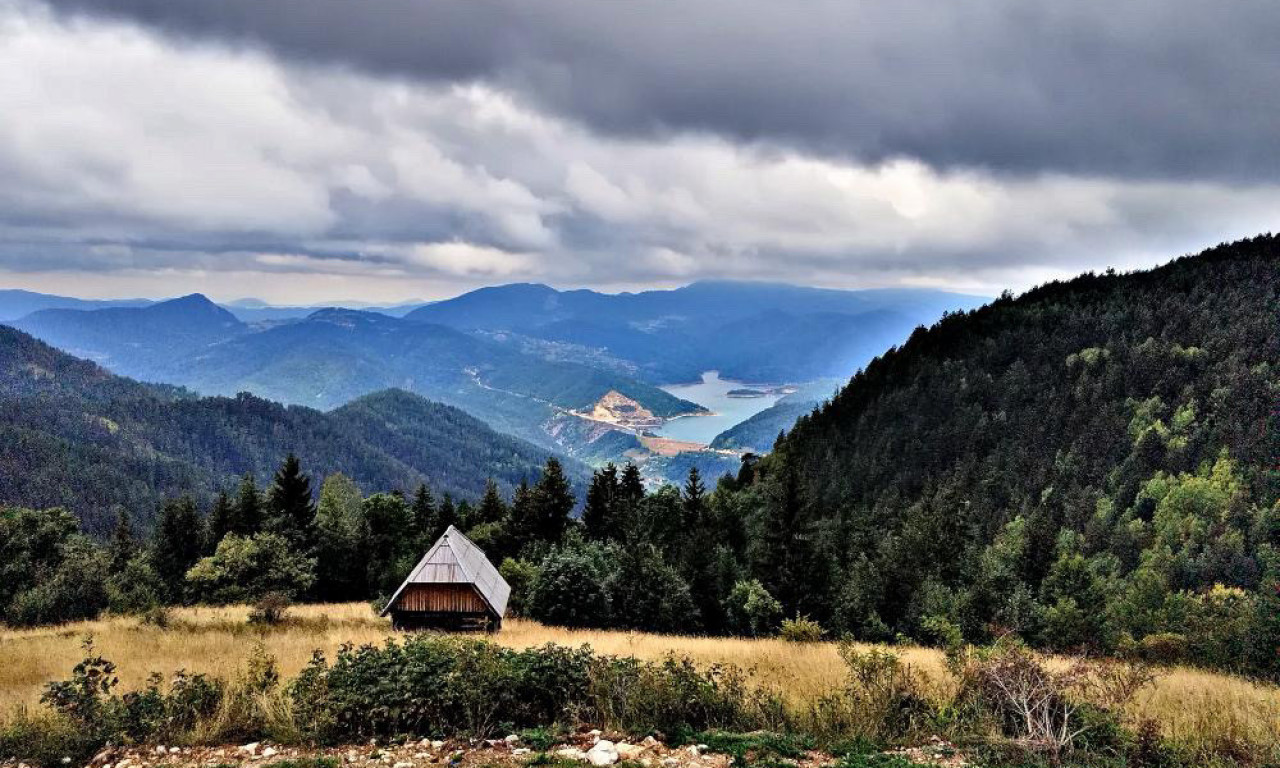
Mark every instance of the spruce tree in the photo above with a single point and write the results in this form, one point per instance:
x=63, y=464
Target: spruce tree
x=425, y=520
x=520, y=516
x=291, y=508
x=552, y=502
x=602, y=499
x=446, y=516
x=176, y=544
x=248, y=509
x=123, y=543
x=631, y=487
x=220, y=522
x=492, y=508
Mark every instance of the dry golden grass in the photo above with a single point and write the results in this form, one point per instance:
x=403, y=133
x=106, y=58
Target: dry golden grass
x=1190, y=704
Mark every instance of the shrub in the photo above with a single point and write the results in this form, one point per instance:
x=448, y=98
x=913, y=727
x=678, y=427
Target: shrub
x=270, y=609
x=884, y=697
x=751, y=610
x=801, y=629
x=442, y=686
x=243, y=569
x=1047, y=709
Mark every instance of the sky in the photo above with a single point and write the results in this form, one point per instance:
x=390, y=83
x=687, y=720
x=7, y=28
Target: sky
x=304, y=151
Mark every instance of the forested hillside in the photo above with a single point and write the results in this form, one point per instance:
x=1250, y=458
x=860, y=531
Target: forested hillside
x=74, y=435
x=1094, y=462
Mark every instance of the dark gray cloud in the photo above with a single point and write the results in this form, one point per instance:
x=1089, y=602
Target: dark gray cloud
x=1138, y=89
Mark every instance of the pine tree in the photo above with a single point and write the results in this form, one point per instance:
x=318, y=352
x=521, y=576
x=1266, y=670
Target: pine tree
x=695, y=500
x=631, y=488
x=340, y=540
x=520, y=516
x=602, y=499
x=291, y=508
x=123, y=543
x=492, y=508
x=446, y=516
x=219, y=523
x=425, y=520
x=175, y=544
x=552, y=502
x=248, y=510
x=465, y=515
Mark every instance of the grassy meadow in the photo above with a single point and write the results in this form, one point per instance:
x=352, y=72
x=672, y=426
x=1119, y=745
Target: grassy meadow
x=1191, y=706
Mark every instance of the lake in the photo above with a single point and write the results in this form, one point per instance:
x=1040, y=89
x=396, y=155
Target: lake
x=712, y=393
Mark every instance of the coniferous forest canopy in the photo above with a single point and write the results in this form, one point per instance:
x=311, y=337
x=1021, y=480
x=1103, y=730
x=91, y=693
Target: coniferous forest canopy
x=1092, y=464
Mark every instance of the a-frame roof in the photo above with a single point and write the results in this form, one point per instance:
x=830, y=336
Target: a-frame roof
x=455, y=559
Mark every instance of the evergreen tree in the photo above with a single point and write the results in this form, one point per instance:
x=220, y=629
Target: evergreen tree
x=290, y=506
x=631, y=487
x=552, y=502
x=123, y=544
x=446, y=516
x=520, y=516
x=785, y=558
x=603, y=496
x=465, y=515
x=248, y=510
x=492, y=508
x=425, y=520
x=219, y=523
x=175, y=544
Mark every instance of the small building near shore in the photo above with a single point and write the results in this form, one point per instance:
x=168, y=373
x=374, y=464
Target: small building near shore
x=453, y=587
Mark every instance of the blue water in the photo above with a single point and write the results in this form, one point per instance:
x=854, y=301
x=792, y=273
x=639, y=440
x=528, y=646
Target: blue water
x=712, y=393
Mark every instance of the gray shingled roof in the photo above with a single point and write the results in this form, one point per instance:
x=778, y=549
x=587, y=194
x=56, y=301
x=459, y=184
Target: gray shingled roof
x=455, y=559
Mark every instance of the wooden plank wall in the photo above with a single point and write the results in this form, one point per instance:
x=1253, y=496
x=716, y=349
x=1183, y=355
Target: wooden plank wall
x=441, y=598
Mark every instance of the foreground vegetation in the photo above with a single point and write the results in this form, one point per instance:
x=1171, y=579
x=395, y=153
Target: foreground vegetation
x=837, y=696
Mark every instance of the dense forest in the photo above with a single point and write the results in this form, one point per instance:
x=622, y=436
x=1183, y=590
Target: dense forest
x=73, y=435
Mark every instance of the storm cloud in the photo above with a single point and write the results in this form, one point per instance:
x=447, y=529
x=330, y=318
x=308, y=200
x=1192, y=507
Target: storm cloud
x=396, y=148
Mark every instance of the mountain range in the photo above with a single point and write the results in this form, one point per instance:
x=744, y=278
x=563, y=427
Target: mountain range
x=75, y=435
x=527, y=359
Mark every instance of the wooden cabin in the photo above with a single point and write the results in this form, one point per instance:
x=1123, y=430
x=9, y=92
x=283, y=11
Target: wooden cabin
x=453, y=587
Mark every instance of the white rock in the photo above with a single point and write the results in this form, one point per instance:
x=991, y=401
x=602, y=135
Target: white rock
x=437, y=745
x=628, y=751
x=521, y=751
x=66, y=761
x=402, y=765
x=270, y=752
x=703, y=747
x=695, y=749
x=571, y=753
x=160, y=750
x=649, y=741
x=669, y=762
x=251, y=748
x=603, y=753
x=174, y=750
x=512, y=739
x=421, y=755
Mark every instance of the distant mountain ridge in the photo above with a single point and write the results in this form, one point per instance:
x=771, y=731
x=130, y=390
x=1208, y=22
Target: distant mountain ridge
x=334, y=355
x=748, y=331
x=91, y=441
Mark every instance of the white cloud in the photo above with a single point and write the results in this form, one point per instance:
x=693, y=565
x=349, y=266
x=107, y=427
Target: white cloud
x=127, y=154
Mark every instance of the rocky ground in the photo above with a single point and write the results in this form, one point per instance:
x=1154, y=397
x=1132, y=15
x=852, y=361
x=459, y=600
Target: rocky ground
x=591, y=748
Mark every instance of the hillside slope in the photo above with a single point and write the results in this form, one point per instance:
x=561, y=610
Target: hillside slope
x=72, y=434
x=1082, y=464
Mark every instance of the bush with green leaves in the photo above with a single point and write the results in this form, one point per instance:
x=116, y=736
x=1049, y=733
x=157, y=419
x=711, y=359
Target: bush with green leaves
x=247, y=568
x=801, y=629
x=751, y=610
